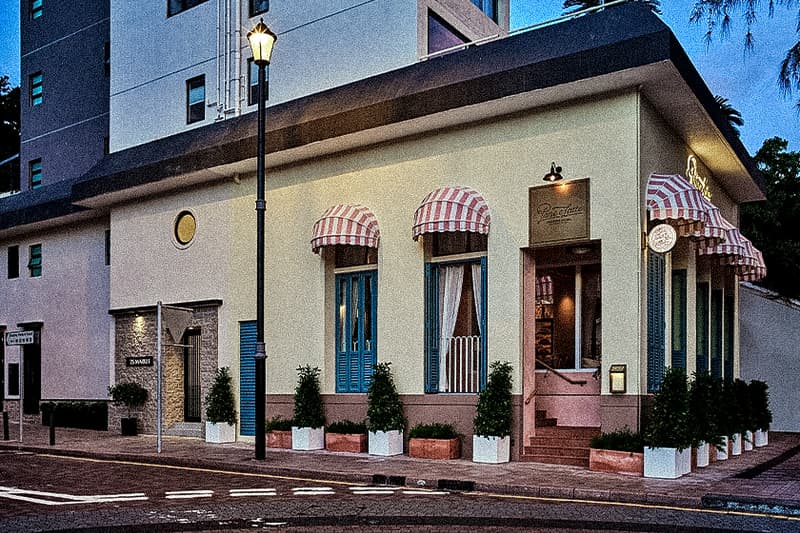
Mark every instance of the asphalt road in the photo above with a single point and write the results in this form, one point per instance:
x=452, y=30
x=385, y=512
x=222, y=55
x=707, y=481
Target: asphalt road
x=48, y=493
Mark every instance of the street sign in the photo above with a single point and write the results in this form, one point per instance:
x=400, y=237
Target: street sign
x=18, y=338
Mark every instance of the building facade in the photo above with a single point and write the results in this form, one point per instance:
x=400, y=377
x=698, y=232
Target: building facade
x=408, y=222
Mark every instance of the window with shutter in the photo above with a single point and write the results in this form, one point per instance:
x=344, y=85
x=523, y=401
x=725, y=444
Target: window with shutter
x=656, y=352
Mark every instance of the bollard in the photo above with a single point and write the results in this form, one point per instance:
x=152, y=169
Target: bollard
x=53, y=427
x=5, y=425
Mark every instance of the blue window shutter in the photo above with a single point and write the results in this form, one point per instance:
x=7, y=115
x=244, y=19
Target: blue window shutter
x=484, y=322
x=729, y=314
x=656, y=361
x=716, y=333
x=370, y=355
x=702, y=327
x=354, y=361
x=431, y=328
x=679, y=319
x=342, y=296
x=247, y=378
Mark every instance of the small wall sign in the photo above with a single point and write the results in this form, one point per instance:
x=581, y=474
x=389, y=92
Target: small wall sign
x=139, y=361
x=662, y=238
x=20, y=338
x=696, y=179
x=559, y=213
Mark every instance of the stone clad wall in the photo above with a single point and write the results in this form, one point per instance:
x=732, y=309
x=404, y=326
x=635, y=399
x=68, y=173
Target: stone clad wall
x=135, y=336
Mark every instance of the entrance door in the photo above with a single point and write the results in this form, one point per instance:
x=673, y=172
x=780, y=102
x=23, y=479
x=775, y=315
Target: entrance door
x=191, y=377
x=32, y=376
x=356, y=329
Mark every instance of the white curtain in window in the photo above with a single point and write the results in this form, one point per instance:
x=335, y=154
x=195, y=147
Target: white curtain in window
x=476, y=291
x=451, y=280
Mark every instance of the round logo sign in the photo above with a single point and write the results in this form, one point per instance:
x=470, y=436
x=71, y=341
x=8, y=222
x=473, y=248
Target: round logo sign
x=662, y=238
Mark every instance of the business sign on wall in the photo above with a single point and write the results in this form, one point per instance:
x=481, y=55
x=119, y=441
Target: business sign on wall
x=559, y=213
x=20, y=338
x=139, y=361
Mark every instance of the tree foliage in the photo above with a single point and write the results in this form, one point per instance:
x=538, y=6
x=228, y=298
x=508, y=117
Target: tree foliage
x=573, y=6
x=9, y=119
x=384, y=407
x=493, y=416
x=220, y=403
x=308, y=408
x=732, y=115
x=718, y=16
x=774, y=225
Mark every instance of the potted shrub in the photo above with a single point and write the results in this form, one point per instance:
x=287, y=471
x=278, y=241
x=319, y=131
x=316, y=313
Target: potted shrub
x=221, y=409
x=132, y=396
x=744, y=420
x=618, y=452
x=762, y=416
x=703, y=417
x=491, y=441
x=726, y=419
x=434, y=441
x=668, y=438
x=346, y=436
x=279, y=432
x=386, y=420
x=308, y=431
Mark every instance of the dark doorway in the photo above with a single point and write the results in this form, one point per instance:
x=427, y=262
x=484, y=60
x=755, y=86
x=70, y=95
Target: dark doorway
x=191, y=377
x=2, y=366
x=32, y=376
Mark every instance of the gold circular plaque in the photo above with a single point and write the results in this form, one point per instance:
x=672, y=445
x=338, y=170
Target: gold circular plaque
x=185, y=227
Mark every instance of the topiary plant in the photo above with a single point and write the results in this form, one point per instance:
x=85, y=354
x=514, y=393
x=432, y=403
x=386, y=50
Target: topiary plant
x=744, y=416
x=704, y=397
x=220, y=403
x=669, y=420
x=130, y=394
x=493, y=414
x=308, y=408
x=759, y=396
x=384, y=408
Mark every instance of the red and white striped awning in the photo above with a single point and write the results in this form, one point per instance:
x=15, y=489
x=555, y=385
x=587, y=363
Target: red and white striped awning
x=678, y=202
x=732, y=247
x=714, y=231
x=355, y=225
x=757, y=272
x=739, y=252
x=452, y=209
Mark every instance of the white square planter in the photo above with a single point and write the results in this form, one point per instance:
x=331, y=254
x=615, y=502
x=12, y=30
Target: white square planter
x=491, y=449
x=762, y=438
x=385, y=442
x=219, y=432
x=304, y=438
x=703, y=449
x=736, y=444
x=722, y=451
x=748, y=441
x=667, y=463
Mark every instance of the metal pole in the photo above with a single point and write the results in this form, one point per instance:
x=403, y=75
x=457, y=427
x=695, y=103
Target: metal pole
x=260, y=354
x=158, y=378
x=5, y=425
x=21, y=387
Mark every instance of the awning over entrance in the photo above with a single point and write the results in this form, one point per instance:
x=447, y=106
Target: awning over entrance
x=355, y=225
x=738, y=251
x=452, y=209
x=713, y=232
x=678, y=202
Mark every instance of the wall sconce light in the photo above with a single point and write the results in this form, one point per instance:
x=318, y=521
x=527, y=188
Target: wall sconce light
x=554, y=174
x=617, y=379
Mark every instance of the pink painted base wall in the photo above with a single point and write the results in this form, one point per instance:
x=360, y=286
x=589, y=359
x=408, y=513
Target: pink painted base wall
x=572, y=405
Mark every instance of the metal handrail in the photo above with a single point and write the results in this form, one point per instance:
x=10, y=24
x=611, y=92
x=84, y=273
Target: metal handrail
x=569, y=380
x=530, y=396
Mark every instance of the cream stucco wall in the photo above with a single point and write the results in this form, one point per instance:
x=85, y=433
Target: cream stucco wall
x=70, y=299
x=500, y=159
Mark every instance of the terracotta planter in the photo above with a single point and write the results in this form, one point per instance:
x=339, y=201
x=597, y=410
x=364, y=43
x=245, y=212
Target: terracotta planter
x=435, y=448
x=616, y=462
x=279, y=439
x=346, y=442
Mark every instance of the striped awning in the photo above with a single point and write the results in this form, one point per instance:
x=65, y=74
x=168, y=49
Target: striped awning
x=452, y=209
x=355, y=225
x=714, y=231
x=756, y=272
x=673, y=199
x=739, y=252
x=733, y=246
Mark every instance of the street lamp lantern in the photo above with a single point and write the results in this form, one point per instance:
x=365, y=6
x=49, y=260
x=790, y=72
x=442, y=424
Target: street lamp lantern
x=261, y=42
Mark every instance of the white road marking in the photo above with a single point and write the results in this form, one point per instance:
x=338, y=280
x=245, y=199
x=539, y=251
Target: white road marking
x=425, y=492
x=187, y=494
x=56, y=498
x=252, y=492
x=312, y=491
x=372, y=490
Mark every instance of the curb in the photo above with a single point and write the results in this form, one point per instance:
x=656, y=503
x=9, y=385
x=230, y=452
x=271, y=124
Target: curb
x=774, y=506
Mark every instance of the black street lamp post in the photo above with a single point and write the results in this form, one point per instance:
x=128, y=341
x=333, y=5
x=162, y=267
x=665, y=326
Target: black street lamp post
x=261, y=42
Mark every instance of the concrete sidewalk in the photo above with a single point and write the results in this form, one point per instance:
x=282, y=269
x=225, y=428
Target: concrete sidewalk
x=766, y=479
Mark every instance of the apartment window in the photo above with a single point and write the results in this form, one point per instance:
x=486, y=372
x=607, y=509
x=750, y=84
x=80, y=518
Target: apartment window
x=489, y=8
x=36, y=88
x=13, y=262
x=252, y=81
x=36, y=9
x=442, y=35
x=35, y=260
x=108, y=246
x=196, y=99
x=35, y=173
x=177, y=6
x=258, y=6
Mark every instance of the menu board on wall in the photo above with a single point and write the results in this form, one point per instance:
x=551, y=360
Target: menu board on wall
x=559, y=213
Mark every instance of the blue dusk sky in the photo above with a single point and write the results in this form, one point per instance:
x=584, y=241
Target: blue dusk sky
x=747, y=80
